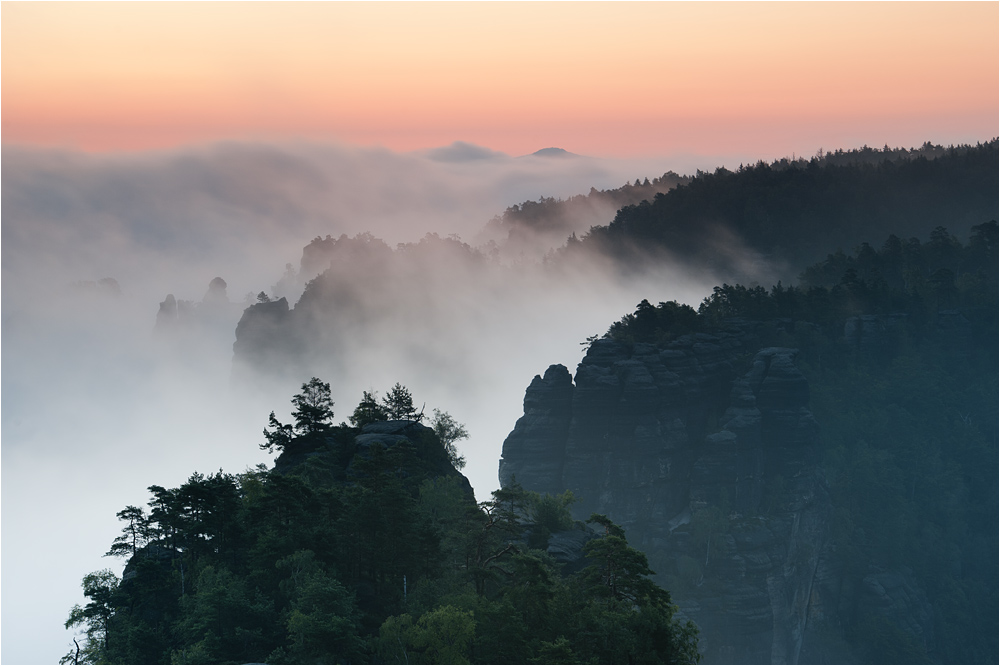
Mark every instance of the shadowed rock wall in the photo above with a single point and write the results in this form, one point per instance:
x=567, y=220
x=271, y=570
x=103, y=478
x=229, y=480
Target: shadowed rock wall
x=704, y=450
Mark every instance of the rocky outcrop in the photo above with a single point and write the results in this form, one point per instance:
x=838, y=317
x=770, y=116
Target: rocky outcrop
x=340, y=451
x=189, y=326
x=621, y=436
x=172, y=314
x=263, y=341
x=704, y=450
x=538, y=443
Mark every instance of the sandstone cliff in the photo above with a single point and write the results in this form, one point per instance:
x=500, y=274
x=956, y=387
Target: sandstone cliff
x=704, y=449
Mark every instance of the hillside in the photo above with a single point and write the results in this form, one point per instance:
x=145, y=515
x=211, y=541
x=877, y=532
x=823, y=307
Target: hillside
x=810, y=470
x=779, y=217
x=364, y=544
x=529, y=230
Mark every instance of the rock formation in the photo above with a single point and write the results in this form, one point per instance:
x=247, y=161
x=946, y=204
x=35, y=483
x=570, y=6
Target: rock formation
x=215, y=313
x=262, y=341
x=704, y=450
x=336, y=451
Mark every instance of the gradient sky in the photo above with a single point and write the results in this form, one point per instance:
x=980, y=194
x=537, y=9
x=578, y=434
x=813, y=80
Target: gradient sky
x=606, y=79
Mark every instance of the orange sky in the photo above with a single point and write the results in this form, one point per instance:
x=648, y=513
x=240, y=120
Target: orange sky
x=615, y=79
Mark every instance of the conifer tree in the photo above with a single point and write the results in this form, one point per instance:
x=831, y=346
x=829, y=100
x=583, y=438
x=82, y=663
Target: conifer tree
x=313, y=415
x=398, y=404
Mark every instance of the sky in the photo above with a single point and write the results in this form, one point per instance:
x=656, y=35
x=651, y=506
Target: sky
x=603, y=79
x=165, y=144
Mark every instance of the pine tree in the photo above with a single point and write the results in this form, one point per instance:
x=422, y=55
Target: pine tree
x=398, y=404
x=313, y=415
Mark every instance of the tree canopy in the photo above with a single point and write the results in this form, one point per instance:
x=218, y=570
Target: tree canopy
x=389, y=564
x=313, y=414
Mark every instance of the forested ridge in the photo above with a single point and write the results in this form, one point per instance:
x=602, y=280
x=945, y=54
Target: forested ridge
x=531, y=228
x=793, y=212
x=365, y=545
x=899, y=346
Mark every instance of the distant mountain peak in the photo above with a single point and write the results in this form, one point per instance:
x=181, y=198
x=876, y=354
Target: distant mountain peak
x=553, y=152
x=462, y=151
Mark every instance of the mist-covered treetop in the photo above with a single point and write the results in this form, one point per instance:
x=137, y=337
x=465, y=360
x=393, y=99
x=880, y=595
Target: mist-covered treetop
x=782, y=215
x=904, y=277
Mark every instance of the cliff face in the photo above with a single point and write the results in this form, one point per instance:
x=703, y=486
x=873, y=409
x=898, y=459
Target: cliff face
x=705, y=451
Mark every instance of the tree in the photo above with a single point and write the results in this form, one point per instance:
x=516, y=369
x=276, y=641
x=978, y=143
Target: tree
x=323, y=622
x=135, y=534
x=445, y=635
x=398, y=404
x=313, y=408
x=278, y=438
x=101, y=588
x=441, y=636
x=313, y=415
x=620, y=571
x=225, y=620
x=495, y=542
x=369, y=410
x=632, y=619
x=449, y=431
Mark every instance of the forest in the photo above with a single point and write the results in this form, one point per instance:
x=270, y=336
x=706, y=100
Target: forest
x=792, y=213
x=908, y=418
x=364, y=546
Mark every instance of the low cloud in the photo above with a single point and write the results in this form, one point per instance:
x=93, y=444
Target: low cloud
x=98, y=405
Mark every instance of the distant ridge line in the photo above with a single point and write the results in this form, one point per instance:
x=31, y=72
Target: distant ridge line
x=552, y=152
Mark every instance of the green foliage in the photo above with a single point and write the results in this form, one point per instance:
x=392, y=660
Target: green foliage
x=390, y=566
x=135, y=535
x=278, y=438
x=527, y=612
x=442, y=636
x=790, y=212
x=323, y=622
x=96, y=618
x=552, y=511
x=655, y=324
x=549, y=514
x=313, y=411
x=449, y=431
x=369, y=410
x=313, y=414
x=224, y=620
x=398, y=404
x=620, y=571
x=909, y=278
x=393, y=642
x=559, y=651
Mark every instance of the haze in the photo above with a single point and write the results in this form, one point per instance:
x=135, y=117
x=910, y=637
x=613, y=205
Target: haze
x=163, y=145
x=97, y=407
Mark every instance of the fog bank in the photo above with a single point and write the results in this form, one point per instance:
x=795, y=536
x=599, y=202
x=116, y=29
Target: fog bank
x=97, y=406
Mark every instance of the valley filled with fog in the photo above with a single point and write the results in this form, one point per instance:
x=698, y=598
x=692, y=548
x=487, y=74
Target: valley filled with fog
x=101, y=401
